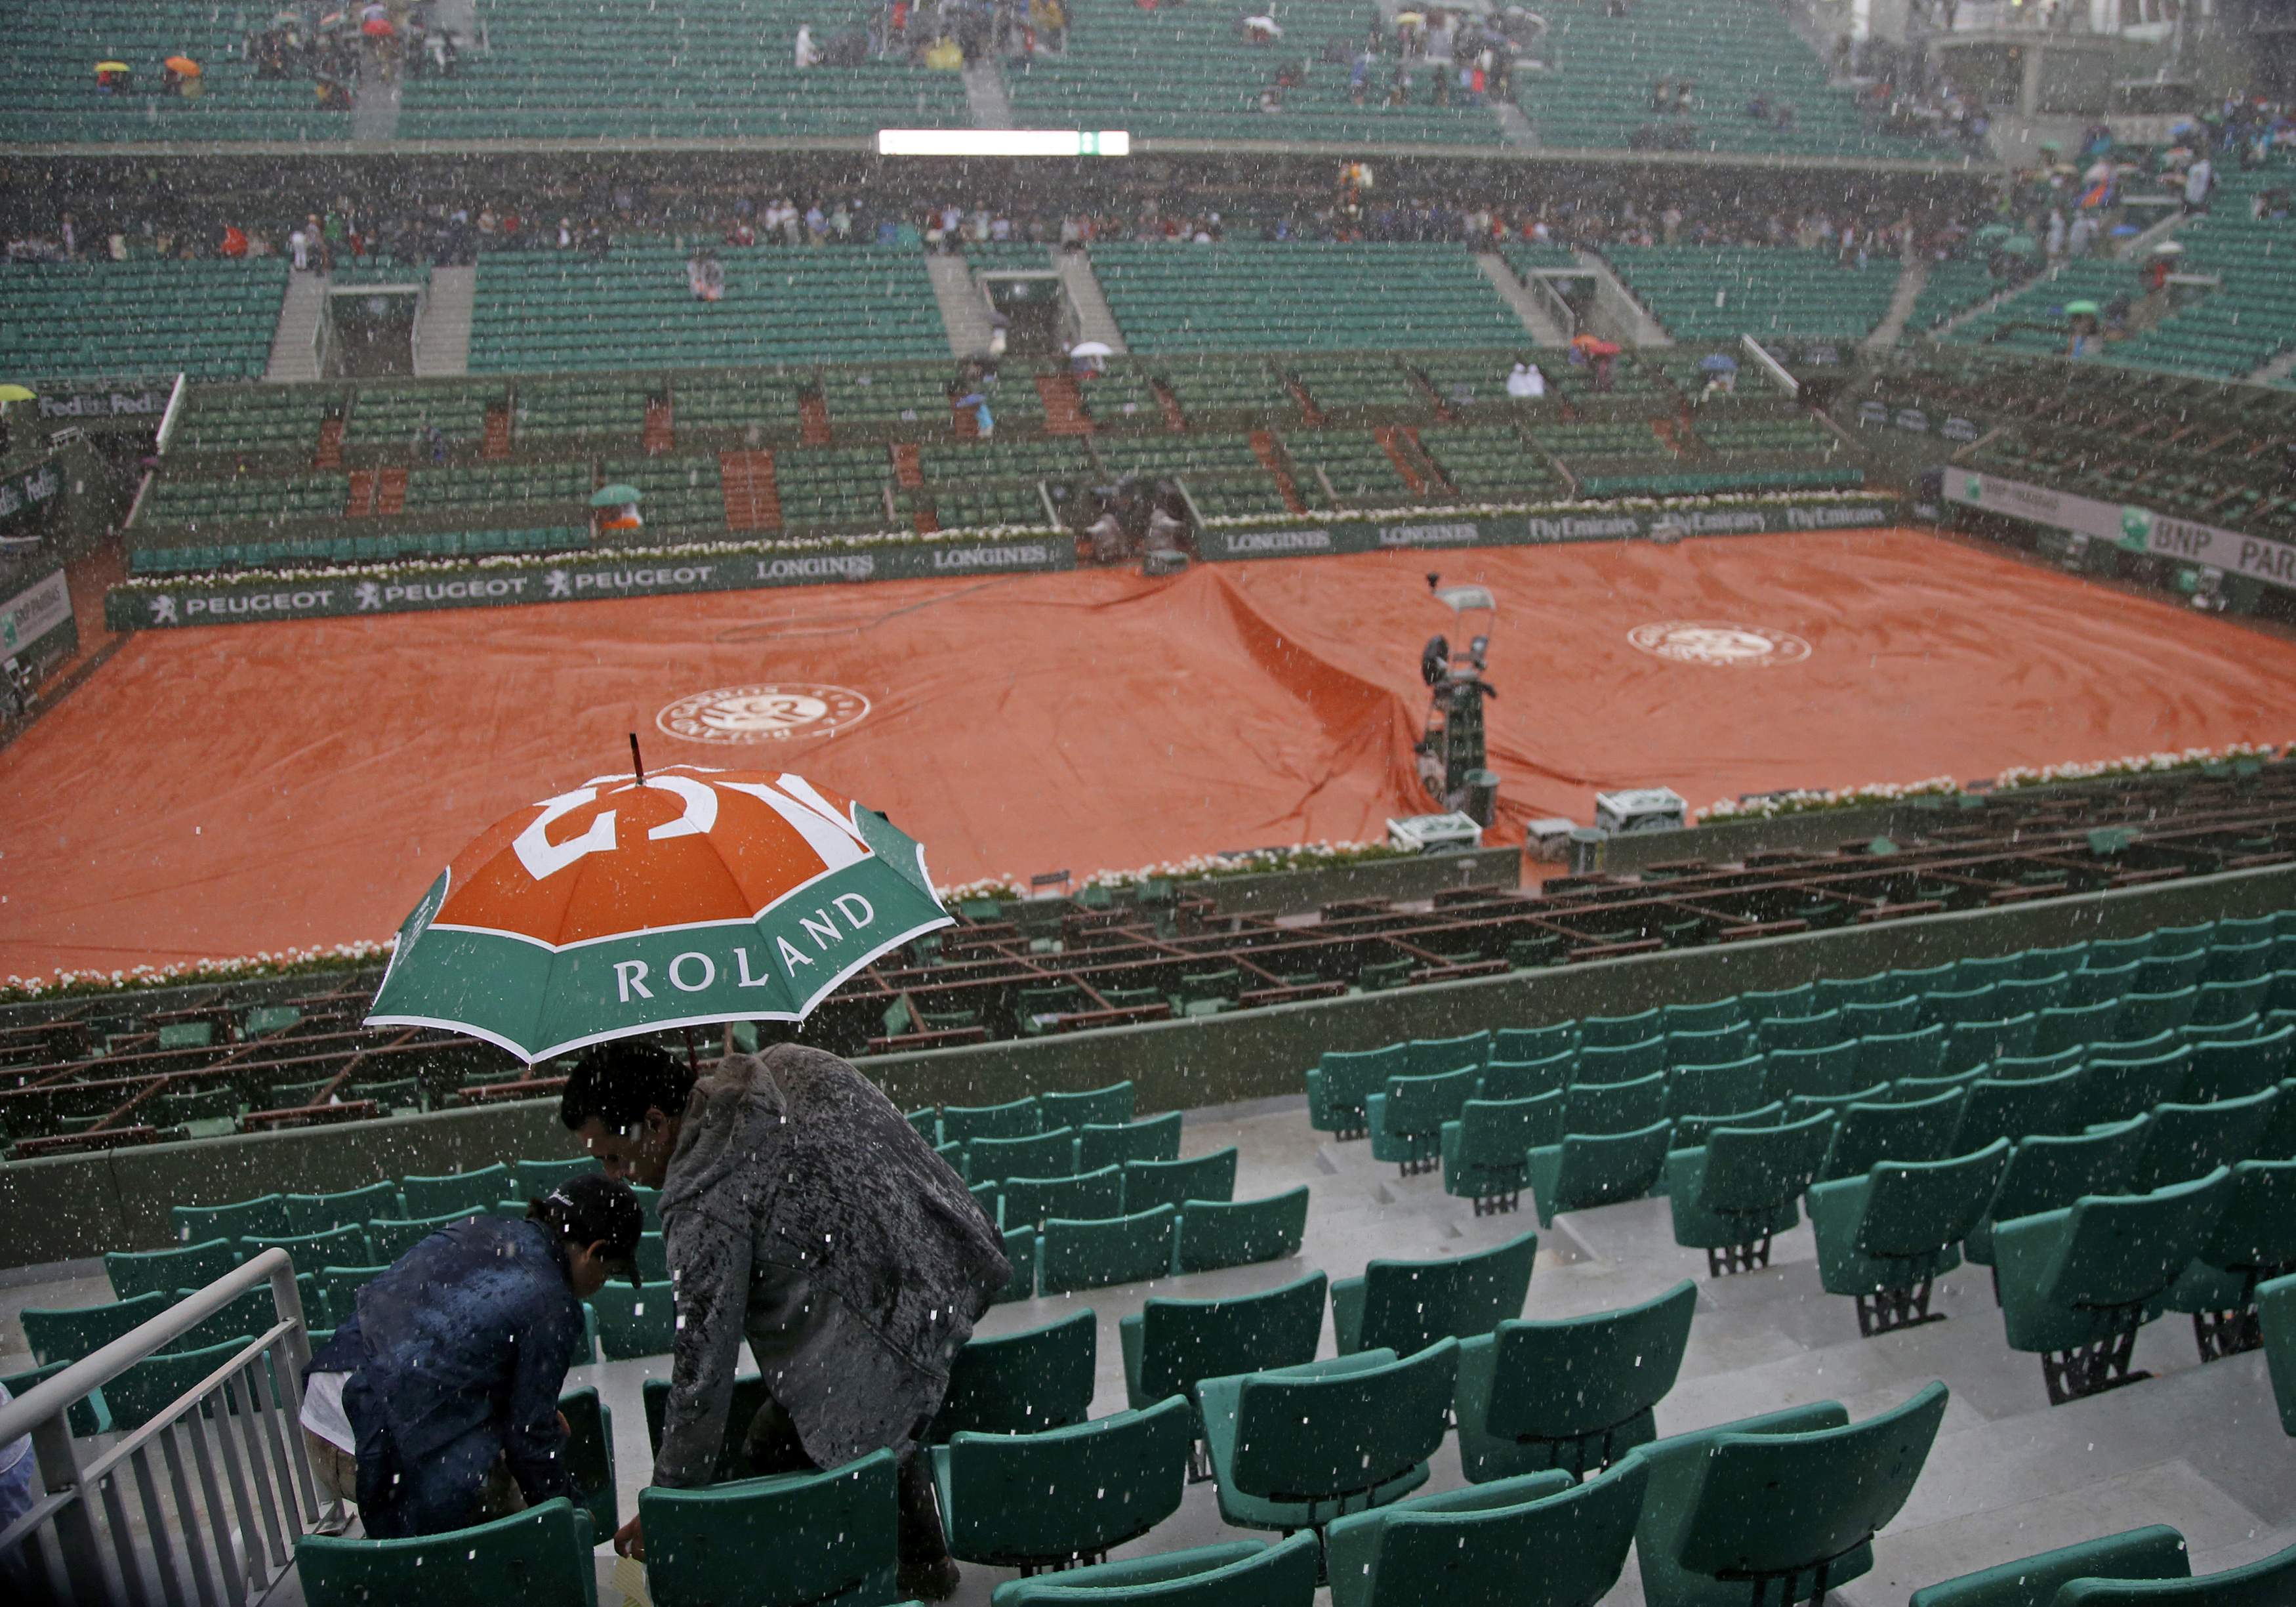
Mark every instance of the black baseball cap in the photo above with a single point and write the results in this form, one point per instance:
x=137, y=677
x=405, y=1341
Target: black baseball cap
x=598, y=1208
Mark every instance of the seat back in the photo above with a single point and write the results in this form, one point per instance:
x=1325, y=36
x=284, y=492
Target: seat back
x=1109, y=1106
x=1149, y=1184
x=1527, y=1079
x=1870, y=1134
x=962, y=1124
x=1756, y=1169
x=749, y=1394
x=1496, y=1132
x=1051, y=1154
x=636, y=1322
x=1093, y=1254
x=1708, y=1016
x=1183, y=1342
x=1882, y=1017
x=466, y=1191
x=1761, y=1005
x=1833, y=993
x=1436, y=1056
x=1580, y=1375
x=1018, y=1383
x=2148, y=1011
x=1599, y=1107
x=1702, y=1089
x=2268, y=1582
x=1825, y=1072
x=385, y=1240
x=1411, y=1304
x=2063, y=1027
x=1421, y=1105
x=2257, y=1232
x=1801, y=1032
x=1996, y=1107
x=343, y=1245
x=1061, y=1493
x=2193, y=1140
x=1562, y=1550
x=1310, y=1438
x=1534, y=1043
x=541, y=1555
x=1213, y=1235
x=534, y=1179
x=1916, y=1208
x=68, y=1333
x=1598, y=1168
x=1610, y=1063
x=1780, y=1503
x=2226, y=1069
x=1156, y=1139
x=833, y=1538
x=322, y=1212
x=1238, y=1575
x=1888, y=1056
x=1950, y=1007
x=2116, y=1087
x=1711, y=1047
x=2121, y=1249
x=1974, y=1042
x=1607, y=1032
x=264, y=1217
x=2047, y=1172
x=2153, y=1552
x=1087, y=1196
x=1349, y=1078
x=590, y=1457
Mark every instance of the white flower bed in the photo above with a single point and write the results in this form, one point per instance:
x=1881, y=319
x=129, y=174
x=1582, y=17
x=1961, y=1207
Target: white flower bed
x=1493, y=510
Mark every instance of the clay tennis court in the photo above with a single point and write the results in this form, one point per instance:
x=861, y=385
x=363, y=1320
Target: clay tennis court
x=227, y=790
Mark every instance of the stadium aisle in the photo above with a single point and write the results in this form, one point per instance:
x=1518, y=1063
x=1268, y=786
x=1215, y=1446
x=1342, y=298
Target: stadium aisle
x=301, y=784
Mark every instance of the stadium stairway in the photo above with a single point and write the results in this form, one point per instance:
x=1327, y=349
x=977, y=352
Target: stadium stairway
x=294, y=355
x=1095, y=320
x=1910, y=280
x=984, y=92
x=1632, y=323
x=963, y=310
x=442, y=339
x=1544, y=329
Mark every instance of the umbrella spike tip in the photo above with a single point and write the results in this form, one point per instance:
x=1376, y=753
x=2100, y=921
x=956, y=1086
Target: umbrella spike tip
x=637, y=761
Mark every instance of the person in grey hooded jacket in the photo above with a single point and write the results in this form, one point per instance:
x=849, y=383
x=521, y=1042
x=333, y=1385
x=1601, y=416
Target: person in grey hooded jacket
x=804, y=1214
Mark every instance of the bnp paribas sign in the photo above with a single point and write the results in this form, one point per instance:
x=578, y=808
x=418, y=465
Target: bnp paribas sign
x=2134, y=528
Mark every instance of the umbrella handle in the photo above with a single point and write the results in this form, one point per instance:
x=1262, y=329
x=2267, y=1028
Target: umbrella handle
x=637, y=762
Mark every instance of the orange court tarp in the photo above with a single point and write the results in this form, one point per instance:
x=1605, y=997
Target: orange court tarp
x=228, y=790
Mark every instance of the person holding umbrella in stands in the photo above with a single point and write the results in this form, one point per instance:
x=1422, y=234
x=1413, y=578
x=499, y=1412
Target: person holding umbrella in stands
x=806, y=1216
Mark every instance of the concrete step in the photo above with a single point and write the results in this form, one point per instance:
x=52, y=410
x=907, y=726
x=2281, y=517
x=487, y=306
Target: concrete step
x=963, y=308
x=1095, y=320
x=984, y=92
x=294, y=356
x=1910, y=277
x=442, y=342
x=1628, y=321
x=1536, y=318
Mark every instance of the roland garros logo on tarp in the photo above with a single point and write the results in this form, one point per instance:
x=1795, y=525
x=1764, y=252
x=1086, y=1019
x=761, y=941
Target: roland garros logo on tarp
x=1713, y=642
x=768, y=712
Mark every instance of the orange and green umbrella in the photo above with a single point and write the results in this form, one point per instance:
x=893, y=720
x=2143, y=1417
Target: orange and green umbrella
x=632, y=903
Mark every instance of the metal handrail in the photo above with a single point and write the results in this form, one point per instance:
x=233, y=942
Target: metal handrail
x=250, y=1486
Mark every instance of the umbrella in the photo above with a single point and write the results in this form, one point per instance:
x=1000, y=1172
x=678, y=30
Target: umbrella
x=113, y=67
x=1409, y=18
x=1091, y=348
x=377, y=28
x=1266, y=25
x=2020, y=245
x=614, y=496
x=2170, y=248
x=630, y=904
x=2081, y=309
x=1993, y=234
x=9, y=393
x=183, y=65
x=1718, y=364
x=1594, y=347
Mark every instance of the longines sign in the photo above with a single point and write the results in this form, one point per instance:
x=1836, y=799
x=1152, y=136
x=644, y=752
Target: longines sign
x=1594, y=524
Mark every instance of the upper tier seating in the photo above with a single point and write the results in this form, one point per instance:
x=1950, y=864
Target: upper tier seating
x=702, y=68
x=1205, y=82
x=1720, y=292
x=1599, y=91
x=1250, y=296
x=50, y=92
x=84, y=320
x=632, y=308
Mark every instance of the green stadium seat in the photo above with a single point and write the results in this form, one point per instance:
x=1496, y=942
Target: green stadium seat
x=1024, y=1249
x=1340, y=1082
x=1108, y=1106
x=67, y=1334
x=1814, y=1031
x=2275, y=1307
x=2047, y=1171
x=2227, y=1069
x=339, y=1288
x=1211, y=1235
x=149, y=1387
x=1294, y=1447
x=1058, y=1495
x=265, y=1216
x=1605, y=1065
x=1885, y=1236
x=2015, y=1109
x=1407, y=1120
x=85, y=1416
x=1149, y=1184
x=1051, y=1154
x=1018, y=1383
x=1240, y=1574
x=1827, y=1071
x=1483, y=1151
x=636, y=1322
x=1538, y=1540
x=2114, y=1087
x=2184, y=1142
x=2251, y=1242
x=1028, y=1202
x=590, y=1457
x=541, y=1555
x=1869, y=1133
x=1504, y=1080
x=1534, y=1043
x=2153, y=1552
x=2075, y=1026
x=1594, y=1110
x=1576, y=1394
x=463, y=1191
x=1172, y=1346
x=388, y=1239
x=963, y=1124
x=1434, y=1056
x=1587, y=1170
x=536, y=1178
x=2263, y=1583
x=322, y=1212
x=1093, y=1254
x=1405, y=1306
x=811, y=1538
x=2077, y=1282
x=1718, y=1046
x=1120, y=1143
x=1730, y=1196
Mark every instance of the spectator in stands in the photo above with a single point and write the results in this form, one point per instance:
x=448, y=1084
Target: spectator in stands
x=16, y=1467
x=854, y=1301
x=1527, y=383
x=806, y=54
x=435, y=1406
x=2199, y=178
